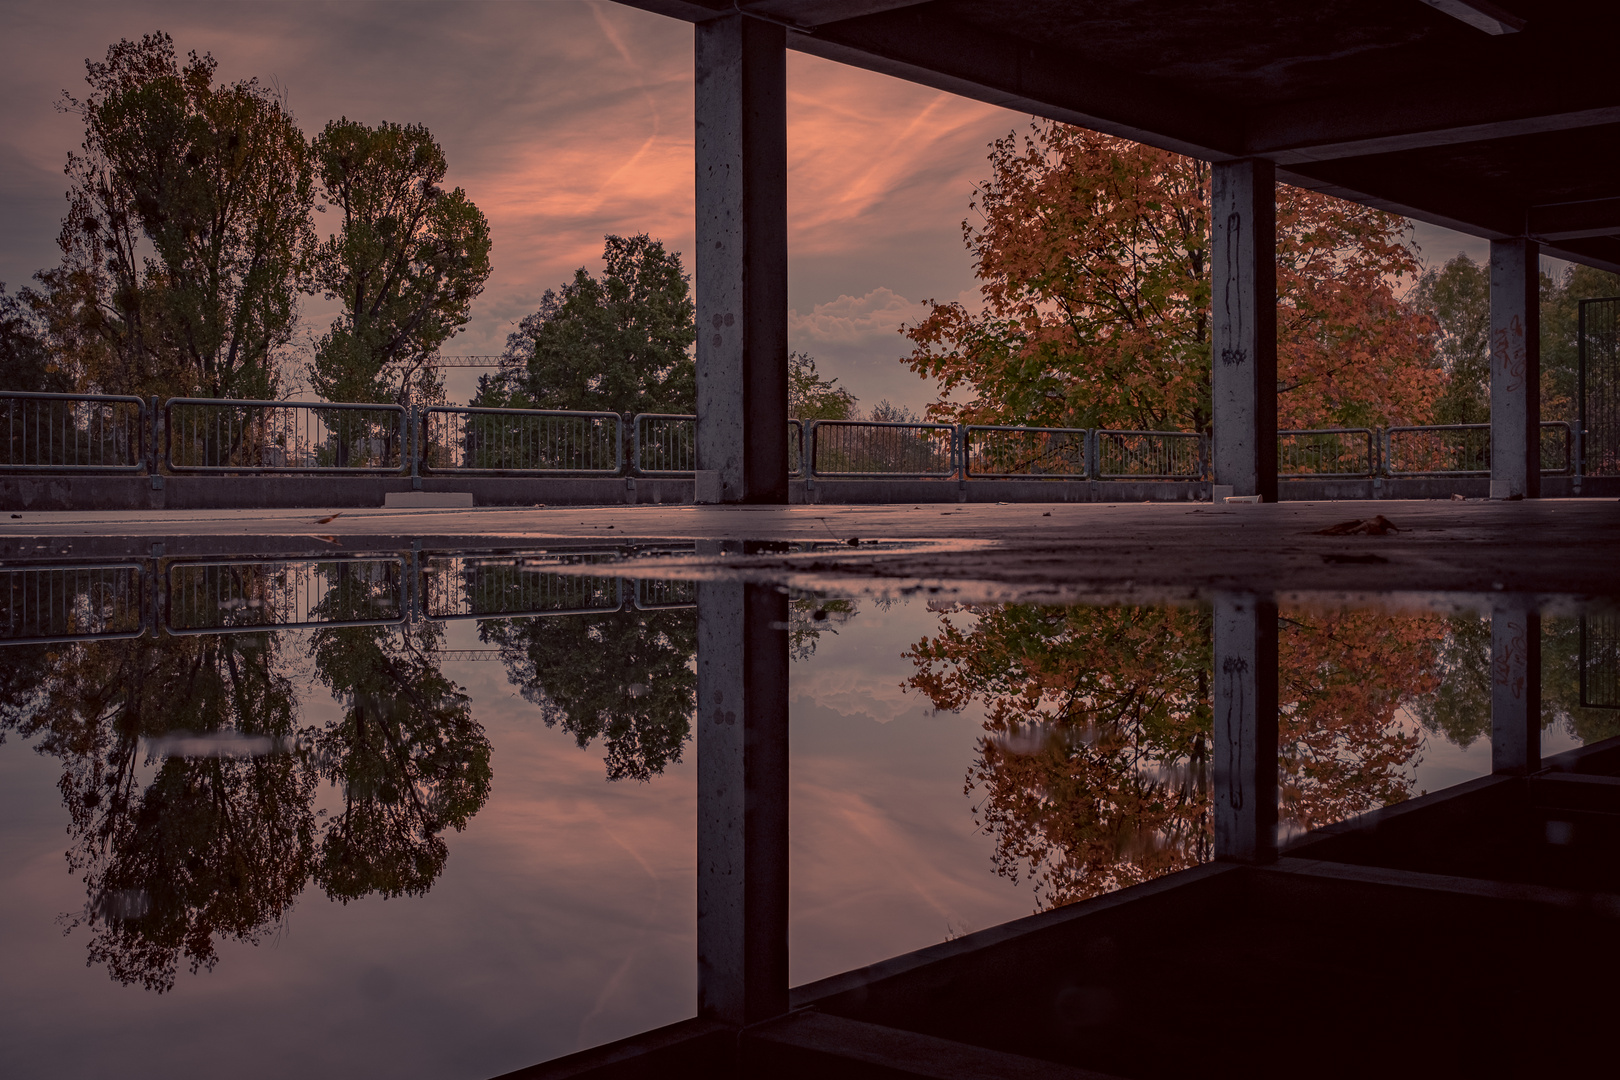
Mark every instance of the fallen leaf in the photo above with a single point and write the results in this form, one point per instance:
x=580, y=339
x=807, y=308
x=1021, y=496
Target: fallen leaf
x=328, y=539
x=1378, y=525
x=328, y=519
x=1458, y=498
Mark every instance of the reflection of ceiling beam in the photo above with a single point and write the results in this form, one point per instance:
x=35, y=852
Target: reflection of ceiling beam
x=1480, y=14
x=1574, y=220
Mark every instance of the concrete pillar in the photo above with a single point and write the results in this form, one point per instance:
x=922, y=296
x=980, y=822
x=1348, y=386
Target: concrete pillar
x=1515, y=369
x=742, y=775
x=1245, y=743
x=741, y=264
x=1515, y=691
x=1243, y=361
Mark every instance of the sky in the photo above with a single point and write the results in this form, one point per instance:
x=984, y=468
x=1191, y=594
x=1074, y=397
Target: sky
x=563, y=120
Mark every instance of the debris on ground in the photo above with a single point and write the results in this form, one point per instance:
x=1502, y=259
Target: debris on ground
x=1047, y=514
x=327, y=539
x=329, y=518
x=1355, y=560
x=16, y=515
x=1459, y=498
x=1378, y=525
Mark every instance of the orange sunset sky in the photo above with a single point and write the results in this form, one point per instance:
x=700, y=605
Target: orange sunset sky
x=563, y=120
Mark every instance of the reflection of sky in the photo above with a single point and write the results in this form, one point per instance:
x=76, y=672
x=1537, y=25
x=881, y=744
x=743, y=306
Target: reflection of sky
x=564, y=917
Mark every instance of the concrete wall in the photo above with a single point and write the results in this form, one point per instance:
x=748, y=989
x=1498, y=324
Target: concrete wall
x=337, y=492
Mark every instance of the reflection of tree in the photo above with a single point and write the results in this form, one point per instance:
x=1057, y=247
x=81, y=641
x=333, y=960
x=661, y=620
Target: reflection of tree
x=1460, y=708
x=210, y=846
x=810, y=616
x=409, y=756
x=626, y=677
x=1093, y=770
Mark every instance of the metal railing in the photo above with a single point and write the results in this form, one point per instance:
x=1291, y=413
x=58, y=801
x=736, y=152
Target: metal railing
x=45, y=604
x=662, y=594
x=1327, y=452
x=236, y=596
x=666, y=444
x=223, y=435
x=1465, y=449
x=519, y=441
x=73, y=433
x=862, y=448
x=1001, y=452
x=1150, y=455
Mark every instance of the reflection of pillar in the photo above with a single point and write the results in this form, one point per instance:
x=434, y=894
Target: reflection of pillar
x=1515, y=691
x=1244, y=341
x=742, y=767
x=741, y=263
x=1515, y=369
x=1245, y=750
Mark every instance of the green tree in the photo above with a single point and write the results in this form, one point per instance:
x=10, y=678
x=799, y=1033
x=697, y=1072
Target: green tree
x=1458, y=296
x=618, y=343
x=407, y=261
x=810, y=397
x=1560, y=333
x=25, y=359
x=188, y=226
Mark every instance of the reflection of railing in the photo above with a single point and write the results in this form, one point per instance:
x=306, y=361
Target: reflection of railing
x=862, y=448
x=1600, y=661
x=1327, y=452
x=71, y=603
x=654, y=594
x=72, y=433
x=520, y=441
x=251, y=595
x=991, y=451
x=1465, y=449
x=1150, y=455
x=223, y=435
x=485, y=587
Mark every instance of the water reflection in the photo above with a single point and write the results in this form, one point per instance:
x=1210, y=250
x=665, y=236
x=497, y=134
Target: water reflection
x=202, y=801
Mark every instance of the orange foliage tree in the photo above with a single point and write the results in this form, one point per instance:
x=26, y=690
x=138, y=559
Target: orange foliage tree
x=1093, y=773
x=1094, y=269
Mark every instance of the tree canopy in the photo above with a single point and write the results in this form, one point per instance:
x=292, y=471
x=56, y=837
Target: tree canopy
x=188, y=228
x=407, y=261
x=1093, y=262
x=618, y=343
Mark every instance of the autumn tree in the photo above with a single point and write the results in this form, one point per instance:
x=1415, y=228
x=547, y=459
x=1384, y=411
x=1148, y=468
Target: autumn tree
x=1094, y=768
x=1093, y=261
x=407, y=261
x=618, y=343
x=25, y=357
x=188, y=226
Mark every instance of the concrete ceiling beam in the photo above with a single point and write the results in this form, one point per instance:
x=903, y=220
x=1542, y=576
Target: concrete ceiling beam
x=1575, y=220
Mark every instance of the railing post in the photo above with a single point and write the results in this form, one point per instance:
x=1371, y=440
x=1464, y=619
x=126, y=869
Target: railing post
x=413, y=440
x=1575, y=453
x=959, y=452
x=153, y=456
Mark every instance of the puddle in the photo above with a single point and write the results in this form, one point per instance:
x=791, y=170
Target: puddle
x=432, y=814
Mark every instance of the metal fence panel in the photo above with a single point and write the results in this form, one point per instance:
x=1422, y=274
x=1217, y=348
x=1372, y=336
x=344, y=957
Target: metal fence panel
x=56, y=433
x=666, y=444
x=1326, y=452
x=795, y=438
x=520, y=441
x=220, y=435
x=494, y=587
x=1598, y=392
x=865, y=448
x=1465, y=449
x=254, y=595
x=42, y=604
x=1025, y=452
x=1150, y=455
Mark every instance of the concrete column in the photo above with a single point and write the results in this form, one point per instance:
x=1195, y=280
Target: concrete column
x=1243, y=361
x=1245, y=744
x=1515, y=691
x=1515, y=369
x=741, y=263
x=742, y=775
